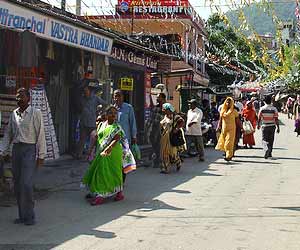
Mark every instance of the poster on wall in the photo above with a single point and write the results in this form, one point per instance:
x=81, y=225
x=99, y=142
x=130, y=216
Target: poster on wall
x=126, y=83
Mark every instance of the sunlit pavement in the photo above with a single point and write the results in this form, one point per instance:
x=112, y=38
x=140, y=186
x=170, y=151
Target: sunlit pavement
x=249, y=203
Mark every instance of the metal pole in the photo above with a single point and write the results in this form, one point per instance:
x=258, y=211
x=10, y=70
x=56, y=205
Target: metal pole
x=78, y=7
x=132, y=18
x=63, y=5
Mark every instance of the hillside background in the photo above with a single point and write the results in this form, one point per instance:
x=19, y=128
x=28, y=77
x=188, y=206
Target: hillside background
x=262, y=22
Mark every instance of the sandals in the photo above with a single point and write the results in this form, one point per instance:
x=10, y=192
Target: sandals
x=119, y=196
x=97, y=201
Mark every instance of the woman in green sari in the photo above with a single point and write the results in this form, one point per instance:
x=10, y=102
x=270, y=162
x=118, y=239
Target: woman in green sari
x=104, y=176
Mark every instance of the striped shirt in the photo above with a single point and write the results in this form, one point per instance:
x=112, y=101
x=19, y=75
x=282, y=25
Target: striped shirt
x=268, y=115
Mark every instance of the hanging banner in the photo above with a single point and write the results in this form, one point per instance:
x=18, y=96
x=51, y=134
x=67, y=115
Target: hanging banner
x=21, y=18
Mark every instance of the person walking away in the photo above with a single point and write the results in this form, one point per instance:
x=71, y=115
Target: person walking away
x=193, y=128
x=89, y=103
x=104, y=176
x=156, y=116
x=169, y=153
x=256, y=104
x=229, y=120
x=126, y=118
x=289, y=107
x=268, y=121
x=296, y=114
x=214, y=116
x=221, y=105
x=239, y=107
x=26, y=132
x=205, y=110
x=249, y=114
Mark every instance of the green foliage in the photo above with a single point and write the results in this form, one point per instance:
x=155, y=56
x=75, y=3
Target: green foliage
x=227, y=47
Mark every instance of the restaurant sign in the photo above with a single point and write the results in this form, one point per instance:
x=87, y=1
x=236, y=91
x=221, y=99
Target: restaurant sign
x=155, y=7
x=130, y=56
x=21, y=18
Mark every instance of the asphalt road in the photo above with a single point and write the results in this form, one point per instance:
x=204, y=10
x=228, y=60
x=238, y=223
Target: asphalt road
x=250, y=203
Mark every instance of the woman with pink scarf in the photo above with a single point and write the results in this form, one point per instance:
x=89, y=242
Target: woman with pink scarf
x=296, y=112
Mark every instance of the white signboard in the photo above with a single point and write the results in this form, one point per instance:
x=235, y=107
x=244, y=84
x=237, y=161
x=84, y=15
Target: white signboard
x=49, y=28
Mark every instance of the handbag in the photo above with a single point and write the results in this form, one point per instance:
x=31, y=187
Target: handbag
x=177, y=138
x=136, y=151
x=247, y=127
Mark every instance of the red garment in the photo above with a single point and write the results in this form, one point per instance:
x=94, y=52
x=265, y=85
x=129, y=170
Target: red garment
x=250, y=115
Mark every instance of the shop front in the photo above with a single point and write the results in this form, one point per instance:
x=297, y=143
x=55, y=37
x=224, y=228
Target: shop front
x=130, y=71
x=54, y=56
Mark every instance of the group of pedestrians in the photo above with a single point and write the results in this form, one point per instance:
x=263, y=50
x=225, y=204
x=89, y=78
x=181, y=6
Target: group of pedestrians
x=171, y=135
x=114, y=132
x=231, y=124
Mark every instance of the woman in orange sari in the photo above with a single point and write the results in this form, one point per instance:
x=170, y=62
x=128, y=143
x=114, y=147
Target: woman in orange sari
x=249, y=114
x=229, y=119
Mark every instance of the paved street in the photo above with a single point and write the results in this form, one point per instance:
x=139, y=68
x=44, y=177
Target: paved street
x=251, y=203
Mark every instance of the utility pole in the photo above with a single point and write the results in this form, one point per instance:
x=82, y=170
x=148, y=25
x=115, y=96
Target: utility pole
x=78, y=7
x=63, y=5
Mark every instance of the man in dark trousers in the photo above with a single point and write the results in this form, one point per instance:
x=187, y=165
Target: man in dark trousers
x=26, y=132
x=126, y=118
x=268, y=121
x=193, y=128
x=89, y=104
x=156, y=116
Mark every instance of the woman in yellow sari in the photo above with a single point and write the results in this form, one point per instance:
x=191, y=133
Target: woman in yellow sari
x=227, y=126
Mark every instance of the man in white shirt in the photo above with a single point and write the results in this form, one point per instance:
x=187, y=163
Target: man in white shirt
x=239, y=106
x=193, y=128
x=26, y=132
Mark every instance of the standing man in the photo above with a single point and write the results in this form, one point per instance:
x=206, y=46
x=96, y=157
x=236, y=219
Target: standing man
x=26, y=131
x=156, y=116
x=126, y=117
x=89, y=104
x=268, y=120
x=193, y=128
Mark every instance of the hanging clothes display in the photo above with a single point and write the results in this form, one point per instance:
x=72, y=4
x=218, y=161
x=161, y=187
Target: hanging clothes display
x=7, y=105
x=39, y=100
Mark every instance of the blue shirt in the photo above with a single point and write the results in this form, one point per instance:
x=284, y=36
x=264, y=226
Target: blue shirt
x=126, y=119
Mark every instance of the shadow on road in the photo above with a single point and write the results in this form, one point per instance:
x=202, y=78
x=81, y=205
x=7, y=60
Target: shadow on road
x=142, y=194
x=258, y=162
x=287, y=208
x=260, y=148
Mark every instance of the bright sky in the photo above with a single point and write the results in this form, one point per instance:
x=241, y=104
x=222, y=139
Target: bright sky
x=100, y=7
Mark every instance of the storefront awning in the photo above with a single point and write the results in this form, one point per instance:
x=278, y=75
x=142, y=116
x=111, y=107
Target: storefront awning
x=21, y=16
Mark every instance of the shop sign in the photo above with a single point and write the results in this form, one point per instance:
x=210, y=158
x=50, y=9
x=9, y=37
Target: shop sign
x=131, y=57
x=162, y=10
x=131, y=3
x=140, y=7
x=49, y=28
x=127, y=83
